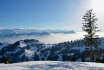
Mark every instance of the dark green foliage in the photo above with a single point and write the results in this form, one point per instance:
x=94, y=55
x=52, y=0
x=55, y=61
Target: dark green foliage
x=3, y=59
x=23, y=58
x=73, y=58
x=27, y=59
x=97, y=60
x=64, y=51
x=42, y=51
x=42, y=59
x=28, y=47
x=83, y=58
x=102, y=60
x=65, y=58
x=50, y=58
x=36, y=57
x=30, y=40
x=90, y=28
x=56, y=57
x=7, y=60
x=70, y=58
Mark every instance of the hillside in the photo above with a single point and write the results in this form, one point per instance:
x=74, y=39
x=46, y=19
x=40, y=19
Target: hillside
x=53, y=65
x=35, y=50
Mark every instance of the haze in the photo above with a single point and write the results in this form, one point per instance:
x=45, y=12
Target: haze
x=50, y=39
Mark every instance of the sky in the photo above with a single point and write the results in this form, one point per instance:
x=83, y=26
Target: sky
x=48, y=14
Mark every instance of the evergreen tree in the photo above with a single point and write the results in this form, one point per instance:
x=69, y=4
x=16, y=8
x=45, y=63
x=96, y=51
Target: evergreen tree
x=23, y=57
x=91, y=40
x=65, y=58
x=50, y=58
x=56, y=57
x=83, y=58
x=3, y=59
x=27, y=59
x=102, y=61
x=7, y=59
x=42, y=59
x=73, y=58
x=36, y=57
x=97, y=60
x=70, y=58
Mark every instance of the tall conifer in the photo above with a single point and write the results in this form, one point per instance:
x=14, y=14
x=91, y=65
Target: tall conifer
x=91, y=40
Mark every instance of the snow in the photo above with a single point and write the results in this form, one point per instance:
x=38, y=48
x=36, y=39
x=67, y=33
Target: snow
x=52, y=65
x=3, y=45
x=22, y=44
x=29, y=53
x=70, y=54
x=60, y=58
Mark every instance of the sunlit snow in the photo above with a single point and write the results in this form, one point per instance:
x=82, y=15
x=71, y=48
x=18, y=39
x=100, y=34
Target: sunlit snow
x=52, y=65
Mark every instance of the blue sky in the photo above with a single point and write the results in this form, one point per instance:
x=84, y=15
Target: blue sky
x=55, y=14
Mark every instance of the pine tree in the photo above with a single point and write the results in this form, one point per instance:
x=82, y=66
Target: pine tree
x=91, y=40
x=27, y=59
x=7, y=59
x=97, y=60
x=3, y=58
x=23, y=57
x=83, y=58
x=42, y=59
x=73, y=58
x=36, y=57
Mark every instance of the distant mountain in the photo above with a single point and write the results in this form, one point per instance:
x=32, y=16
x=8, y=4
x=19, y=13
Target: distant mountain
x=101, y=31
x=31, y=32
x=35, y=50
x=69, y=32
x=21, y=32
x=59, y=31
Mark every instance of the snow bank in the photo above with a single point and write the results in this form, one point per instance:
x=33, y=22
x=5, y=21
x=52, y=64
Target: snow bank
x=52, y=65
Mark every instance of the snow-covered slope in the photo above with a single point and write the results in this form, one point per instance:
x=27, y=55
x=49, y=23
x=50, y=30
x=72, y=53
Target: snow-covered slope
x=35, y=50
x=53, y=65
x=3, y=44
x=22, y=48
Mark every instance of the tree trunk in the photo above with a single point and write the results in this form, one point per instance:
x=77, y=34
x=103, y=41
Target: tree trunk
x=91, y=56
